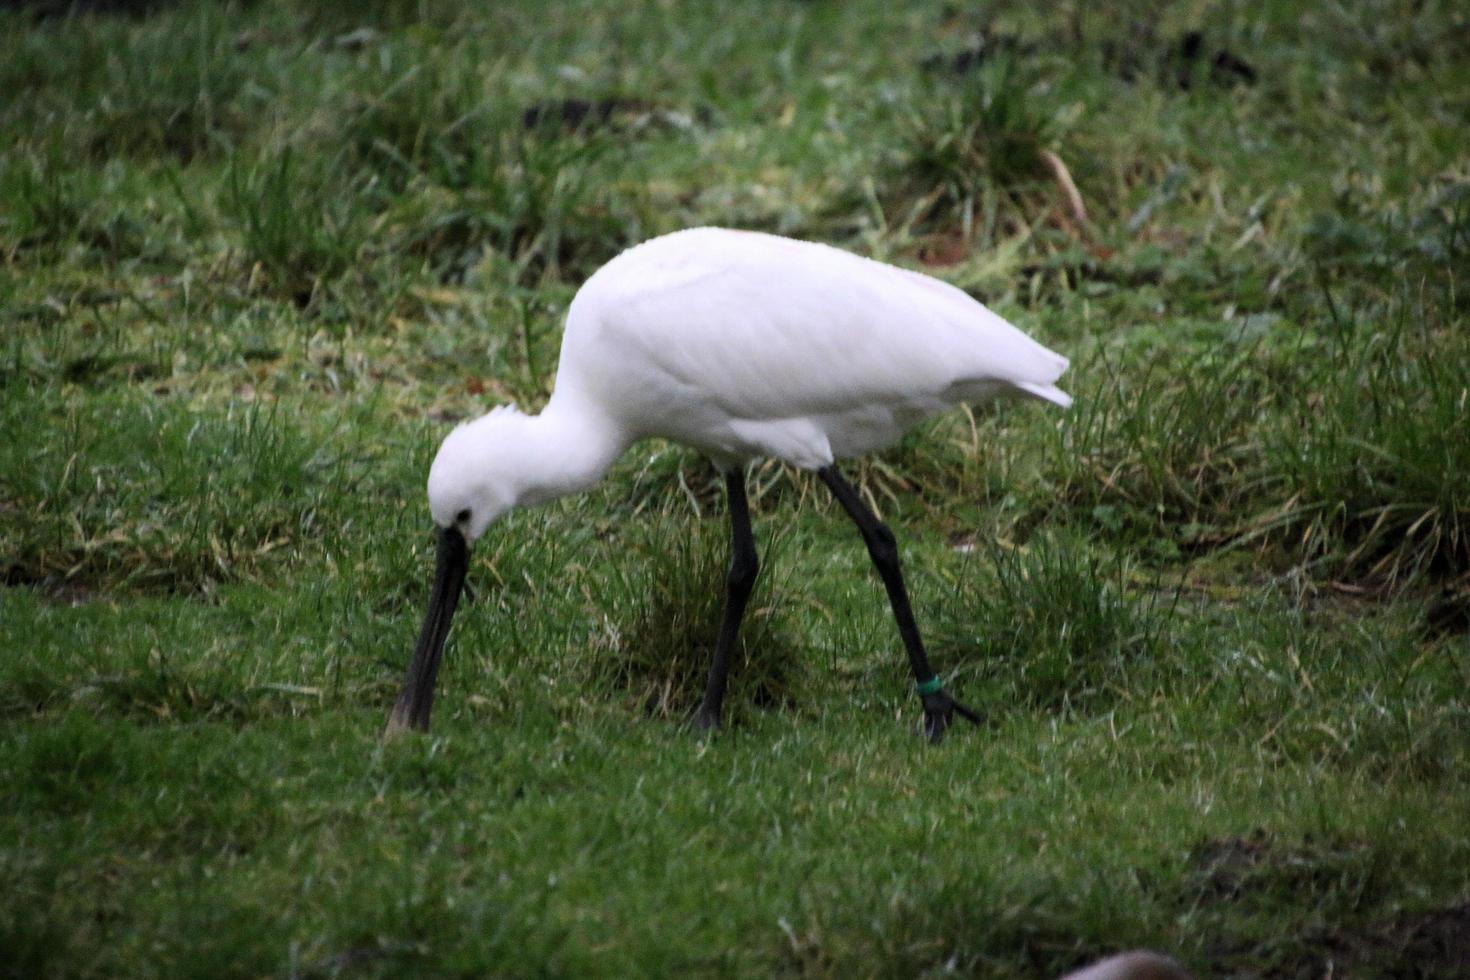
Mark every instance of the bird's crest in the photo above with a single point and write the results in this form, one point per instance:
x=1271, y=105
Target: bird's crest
x=498, y=412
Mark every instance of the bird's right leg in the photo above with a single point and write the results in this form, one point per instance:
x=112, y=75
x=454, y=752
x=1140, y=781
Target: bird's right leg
x=744, y=566
x=939, y=707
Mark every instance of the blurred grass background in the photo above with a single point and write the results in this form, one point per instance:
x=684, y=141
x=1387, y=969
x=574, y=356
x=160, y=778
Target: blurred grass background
x=256, y=257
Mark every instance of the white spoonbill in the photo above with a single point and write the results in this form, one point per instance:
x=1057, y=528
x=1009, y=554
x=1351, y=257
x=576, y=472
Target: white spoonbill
x=741, y=345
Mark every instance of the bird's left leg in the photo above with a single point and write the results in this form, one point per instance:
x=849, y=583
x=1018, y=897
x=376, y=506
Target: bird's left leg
x=744, y=566
x=939, y=707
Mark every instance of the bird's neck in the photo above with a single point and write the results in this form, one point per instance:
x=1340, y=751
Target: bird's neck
x=572, y=446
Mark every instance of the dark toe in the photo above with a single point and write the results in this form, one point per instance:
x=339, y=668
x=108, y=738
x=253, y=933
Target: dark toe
x=939, y=712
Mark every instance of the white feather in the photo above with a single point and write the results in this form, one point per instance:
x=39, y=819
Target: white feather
x=744, y=345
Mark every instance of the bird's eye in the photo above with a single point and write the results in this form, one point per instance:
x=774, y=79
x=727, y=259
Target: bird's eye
x=463, y=517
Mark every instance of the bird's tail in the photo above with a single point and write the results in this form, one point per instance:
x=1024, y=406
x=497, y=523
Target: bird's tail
x=1047, y=393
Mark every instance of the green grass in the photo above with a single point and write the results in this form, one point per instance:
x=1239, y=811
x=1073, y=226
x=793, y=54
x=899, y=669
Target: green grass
x=255, y=258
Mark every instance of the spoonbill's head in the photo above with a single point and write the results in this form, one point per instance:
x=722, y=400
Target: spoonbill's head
x=478, y=474
x=476, y=477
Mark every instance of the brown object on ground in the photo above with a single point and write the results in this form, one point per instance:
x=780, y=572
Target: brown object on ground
x=1063, y=177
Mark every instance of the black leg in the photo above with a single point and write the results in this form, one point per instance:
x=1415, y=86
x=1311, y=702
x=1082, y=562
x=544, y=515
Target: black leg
x=744, y=566
x=939, y=707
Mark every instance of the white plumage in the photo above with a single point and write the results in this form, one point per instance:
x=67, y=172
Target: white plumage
x=741, y=345
x=746, y=345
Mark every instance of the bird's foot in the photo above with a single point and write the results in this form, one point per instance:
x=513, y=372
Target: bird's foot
x=939, y=712
x=706, y=720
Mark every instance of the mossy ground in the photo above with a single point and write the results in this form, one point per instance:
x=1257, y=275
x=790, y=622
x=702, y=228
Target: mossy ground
x=254, y=258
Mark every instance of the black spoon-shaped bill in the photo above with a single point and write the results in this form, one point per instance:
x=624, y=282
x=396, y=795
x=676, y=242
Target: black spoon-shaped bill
x=417, y=697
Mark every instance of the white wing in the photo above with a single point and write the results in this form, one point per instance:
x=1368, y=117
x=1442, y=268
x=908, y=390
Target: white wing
x=761, y=327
